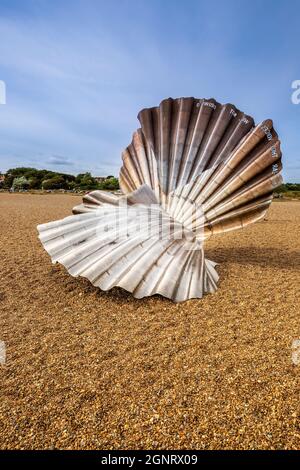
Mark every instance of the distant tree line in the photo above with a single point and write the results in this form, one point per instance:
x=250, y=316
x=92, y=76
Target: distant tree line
x=284, y=188
x=288, y=190
x=23, y=178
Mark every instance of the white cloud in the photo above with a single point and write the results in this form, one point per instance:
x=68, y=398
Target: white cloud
x=59, y=160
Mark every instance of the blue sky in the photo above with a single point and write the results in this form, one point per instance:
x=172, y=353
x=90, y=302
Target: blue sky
x=78, y=72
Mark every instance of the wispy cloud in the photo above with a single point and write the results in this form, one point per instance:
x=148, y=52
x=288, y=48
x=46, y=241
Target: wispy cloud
x=58, y=160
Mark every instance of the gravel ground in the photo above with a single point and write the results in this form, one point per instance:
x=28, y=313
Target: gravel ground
x=87, y=369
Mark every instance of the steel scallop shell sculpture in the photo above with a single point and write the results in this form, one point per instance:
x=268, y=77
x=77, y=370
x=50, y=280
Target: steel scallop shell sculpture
x=194, y=169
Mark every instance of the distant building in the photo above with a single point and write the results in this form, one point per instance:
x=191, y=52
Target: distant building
x=2, y=178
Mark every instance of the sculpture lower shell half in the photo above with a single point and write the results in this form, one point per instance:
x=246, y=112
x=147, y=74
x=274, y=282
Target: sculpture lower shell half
x=134, y=246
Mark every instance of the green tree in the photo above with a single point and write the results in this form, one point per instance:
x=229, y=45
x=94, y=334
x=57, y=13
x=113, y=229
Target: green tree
x=20, y=183
x=57, y=182
x=110, y=184
x=34, y=183
x=86, y=181
x=72, y=185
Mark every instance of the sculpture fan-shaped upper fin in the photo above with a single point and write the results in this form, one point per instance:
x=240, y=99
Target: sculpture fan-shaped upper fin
x=211, y=154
